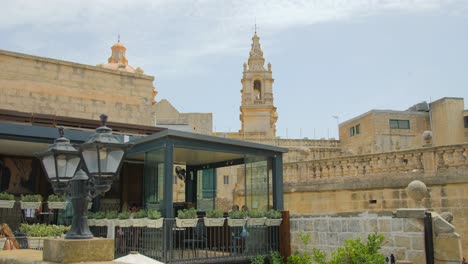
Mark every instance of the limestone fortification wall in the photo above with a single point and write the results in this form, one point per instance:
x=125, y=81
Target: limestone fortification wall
x=48, y=86
x=377, y=183
x=404, y=237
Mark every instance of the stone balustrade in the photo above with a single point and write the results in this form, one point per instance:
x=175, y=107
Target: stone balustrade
x=450, y=161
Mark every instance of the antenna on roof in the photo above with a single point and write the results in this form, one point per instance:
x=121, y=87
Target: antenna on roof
x=118, y=38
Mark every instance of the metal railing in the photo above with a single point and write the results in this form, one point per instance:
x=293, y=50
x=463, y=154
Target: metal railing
x=200, y=244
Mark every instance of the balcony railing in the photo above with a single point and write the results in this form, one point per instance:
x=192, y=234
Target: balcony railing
x=200, y=244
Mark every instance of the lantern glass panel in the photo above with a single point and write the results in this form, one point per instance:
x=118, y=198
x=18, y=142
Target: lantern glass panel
x=90, y=159
x=110, y=159
x=49, y=165
x=71, y=166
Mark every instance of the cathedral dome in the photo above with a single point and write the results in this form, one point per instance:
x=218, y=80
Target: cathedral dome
x=117, y=61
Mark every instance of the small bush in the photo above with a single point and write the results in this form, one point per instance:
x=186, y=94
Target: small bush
x=154, y=214
x=112, y=215
x=236, y=214
x=187, y=213
x=140, y=214
x=42, y=230
x=214, y=214
x=55, y=198
x=276, y=258
x=256, y=213
x=124, y=215
x=31, y=198
x=6, y=196
x=259, y=259
x=273, y=214
x=99, y=215
x=91, y=215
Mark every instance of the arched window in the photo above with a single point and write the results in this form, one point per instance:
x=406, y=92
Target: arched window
x=257, y=89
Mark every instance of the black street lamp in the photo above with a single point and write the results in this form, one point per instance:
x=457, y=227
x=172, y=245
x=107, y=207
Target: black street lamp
x=100, y=156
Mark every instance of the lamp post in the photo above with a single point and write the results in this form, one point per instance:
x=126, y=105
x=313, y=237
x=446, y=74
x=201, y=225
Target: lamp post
x=83, y=173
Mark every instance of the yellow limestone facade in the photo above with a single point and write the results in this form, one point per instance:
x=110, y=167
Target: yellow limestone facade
x=258, y=114
x=49, y=86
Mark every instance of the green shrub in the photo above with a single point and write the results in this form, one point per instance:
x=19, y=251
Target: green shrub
x=236, y=214
x=154, y=214
x=214, y=214
x=187, y=213
x=140, y=214
x=42, y=230
x=91, y=215
x=256, y=213
x=56, y=198
x=112, y=215
x=31, y=198
x=301, y=258
x=6, y=196
x=259, y=259
x=273, y=214
x=99, y=215
x=276, y=258
x=124, y=215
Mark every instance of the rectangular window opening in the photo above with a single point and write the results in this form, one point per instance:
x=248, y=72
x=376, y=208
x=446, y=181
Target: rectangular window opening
x=226, y=179
x=399, y=124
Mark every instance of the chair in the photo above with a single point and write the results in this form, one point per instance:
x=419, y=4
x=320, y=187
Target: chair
x=197, y=239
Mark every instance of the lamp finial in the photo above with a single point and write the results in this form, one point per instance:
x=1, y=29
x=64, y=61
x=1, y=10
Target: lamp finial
x=103, y=119
x=61, y=131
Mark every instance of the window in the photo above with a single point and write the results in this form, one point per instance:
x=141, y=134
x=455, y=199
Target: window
x=351, y=131
x=399, y=124
x=226, y=179
x=465, y=118
x=355, y=130
x=358, y=129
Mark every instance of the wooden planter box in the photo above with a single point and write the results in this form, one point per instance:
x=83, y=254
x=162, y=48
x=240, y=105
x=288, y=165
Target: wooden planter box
x=7, y=203
x=154, y=223
x=56, y=205
x=213, y=221
x=273, y=222
x=256, y=221
x=186, y=222
x=30, y=205
x=236, y=222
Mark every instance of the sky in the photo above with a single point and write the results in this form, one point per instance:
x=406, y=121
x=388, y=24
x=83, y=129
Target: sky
x=330, y=58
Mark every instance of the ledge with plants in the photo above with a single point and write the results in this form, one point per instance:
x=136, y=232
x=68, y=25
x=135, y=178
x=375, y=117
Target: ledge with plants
x=139, y=218
x=214, y=218
x=256, y=218
x=124, y=219
x=37, y=232
x=111, y=218
x=274, y=218
x=236, y=218
x=100, y=219
x=91, y=220
x=56, y=202
x=31, y=201
x=187, y=218
x=7, y=200
x=154, y=219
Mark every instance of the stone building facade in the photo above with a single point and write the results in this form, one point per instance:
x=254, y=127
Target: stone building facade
x=49, y=86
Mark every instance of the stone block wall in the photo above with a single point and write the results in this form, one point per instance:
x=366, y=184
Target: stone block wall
x=403, y=237
x=48, y=86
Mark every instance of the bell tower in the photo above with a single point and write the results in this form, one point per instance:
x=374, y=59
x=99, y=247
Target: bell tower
x=258, y=114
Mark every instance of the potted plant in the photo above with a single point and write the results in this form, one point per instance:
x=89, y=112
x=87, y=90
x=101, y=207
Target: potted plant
x=154, y=219
x=111, y=217
x=256, y=217
x=99, y=219
x=56, y=202
x=214, y=218
x=31, y=201
x=236, y=218
x=91, y=220
x=124, y=219
x=274, y=218
x=37, y=232
x=7, y=200
x=187, y=218
x=139, y=218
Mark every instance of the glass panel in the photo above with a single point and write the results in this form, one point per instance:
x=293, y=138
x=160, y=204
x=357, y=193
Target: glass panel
x=257, y=182
x=114, y=157
x=90, y=159
x=393, y=123
x=154, y=179
x=49, y=165
x=72, y=164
